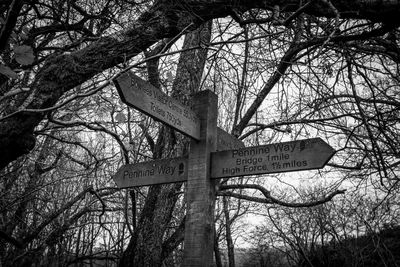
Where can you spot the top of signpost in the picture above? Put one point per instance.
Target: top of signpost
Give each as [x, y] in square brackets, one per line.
[141, 95]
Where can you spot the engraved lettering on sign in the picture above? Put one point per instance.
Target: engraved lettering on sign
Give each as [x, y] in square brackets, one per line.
[152, 172]
[158, 170]
[281, 157]
[140, 94]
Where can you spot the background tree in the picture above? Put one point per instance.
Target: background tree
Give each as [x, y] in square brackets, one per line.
[283, 70]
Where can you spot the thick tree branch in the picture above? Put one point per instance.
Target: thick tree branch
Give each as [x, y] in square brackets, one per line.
[10, 23]
[287, 60]
[174, 240]
[147, 135]
[277, 124]
[284, 64]
[164, 19]
[271, 200]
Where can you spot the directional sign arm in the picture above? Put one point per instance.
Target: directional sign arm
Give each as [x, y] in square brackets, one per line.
[152, 172]
[281, 157]
[141, 95]
[226, 141]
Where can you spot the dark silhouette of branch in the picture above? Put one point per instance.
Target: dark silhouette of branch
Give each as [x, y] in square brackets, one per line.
[270, 199]
[10, 23]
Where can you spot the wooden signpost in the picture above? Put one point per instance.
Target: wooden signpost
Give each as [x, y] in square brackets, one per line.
[213, 154]
[143, 96]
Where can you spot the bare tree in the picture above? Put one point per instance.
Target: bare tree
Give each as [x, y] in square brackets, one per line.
[282, 70]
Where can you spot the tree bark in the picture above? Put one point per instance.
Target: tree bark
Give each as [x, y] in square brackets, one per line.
[10, 22]
[228, 233]
[147, 246]
[217, 252]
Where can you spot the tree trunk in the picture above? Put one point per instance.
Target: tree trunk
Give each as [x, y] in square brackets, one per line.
[228, 233]
[217, 252]
[146, 245]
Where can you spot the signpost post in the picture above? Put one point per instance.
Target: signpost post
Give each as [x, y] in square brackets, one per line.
[199, 226]
[226, 141]
[205, 163]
